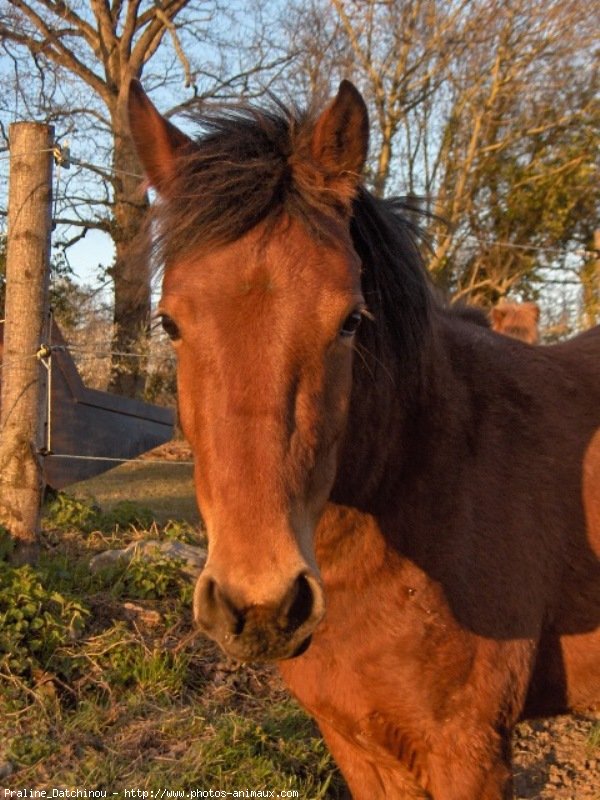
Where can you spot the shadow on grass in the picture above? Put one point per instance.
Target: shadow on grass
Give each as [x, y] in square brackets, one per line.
[167, 489]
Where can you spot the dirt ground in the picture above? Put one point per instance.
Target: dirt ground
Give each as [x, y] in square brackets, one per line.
[558, 758]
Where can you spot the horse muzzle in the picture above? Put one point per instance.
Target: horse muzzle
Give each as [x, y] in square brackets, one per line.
[268, 631]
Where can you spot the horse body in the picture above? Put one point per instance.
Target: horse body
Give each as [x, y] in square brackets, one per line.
[492, 586]
[405, 515]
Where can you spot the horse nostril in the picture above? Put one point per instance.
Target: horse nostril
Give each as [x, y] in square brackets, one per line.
[213, 609]
[237, 622]
[299, 603]
[205, 602]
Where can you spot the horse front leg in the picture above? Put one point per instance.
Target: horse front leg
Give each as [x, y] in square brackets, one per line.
[473, 773]
[470, 755]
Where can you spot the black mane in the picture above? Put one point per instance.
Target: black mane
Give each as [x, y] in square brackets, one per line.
[394, 280]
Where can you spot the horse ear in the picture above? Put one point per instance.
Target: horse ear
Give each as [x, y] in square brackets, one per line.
[535, 310]
[498, 314]
[340, 139]
[157, 141]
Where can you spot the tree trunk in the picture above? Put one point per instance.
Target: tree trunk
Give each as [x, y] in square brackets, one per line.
[131, 269]
[26, 312]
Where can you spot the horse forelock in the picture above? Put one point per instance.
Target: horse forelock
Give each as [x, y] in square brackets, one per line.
[249, 165]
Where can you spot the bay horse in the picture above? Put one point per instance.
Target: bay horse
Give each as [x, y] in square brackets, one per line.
[402, 507]
[519, 320]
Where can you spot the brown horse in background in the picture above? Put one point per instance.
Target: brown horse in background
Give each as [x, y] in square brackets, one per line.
[402, 508]
[519, 320]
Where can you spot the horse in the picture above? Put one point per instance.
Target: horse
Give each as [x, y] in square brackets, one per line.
[519, 320]
[402, 507]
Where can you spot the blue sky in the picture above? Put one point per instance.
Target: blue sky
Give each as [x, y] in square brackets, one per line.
[85, 256]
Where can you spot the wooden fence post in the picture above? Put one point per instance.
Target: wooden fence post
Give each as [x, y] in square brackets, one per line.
[590, 279]
[26, 318]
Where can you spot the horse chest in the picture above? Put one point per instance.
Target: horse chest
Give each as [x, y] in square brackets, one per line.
[372, 672]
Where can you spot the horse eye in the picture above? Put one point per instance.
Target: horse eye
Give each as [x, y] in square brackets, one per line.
[351, 324]
[169, 327]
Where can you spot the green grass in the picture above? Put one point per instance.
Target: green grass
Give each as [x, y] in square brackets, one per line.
[103, 682]
[166, 488]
